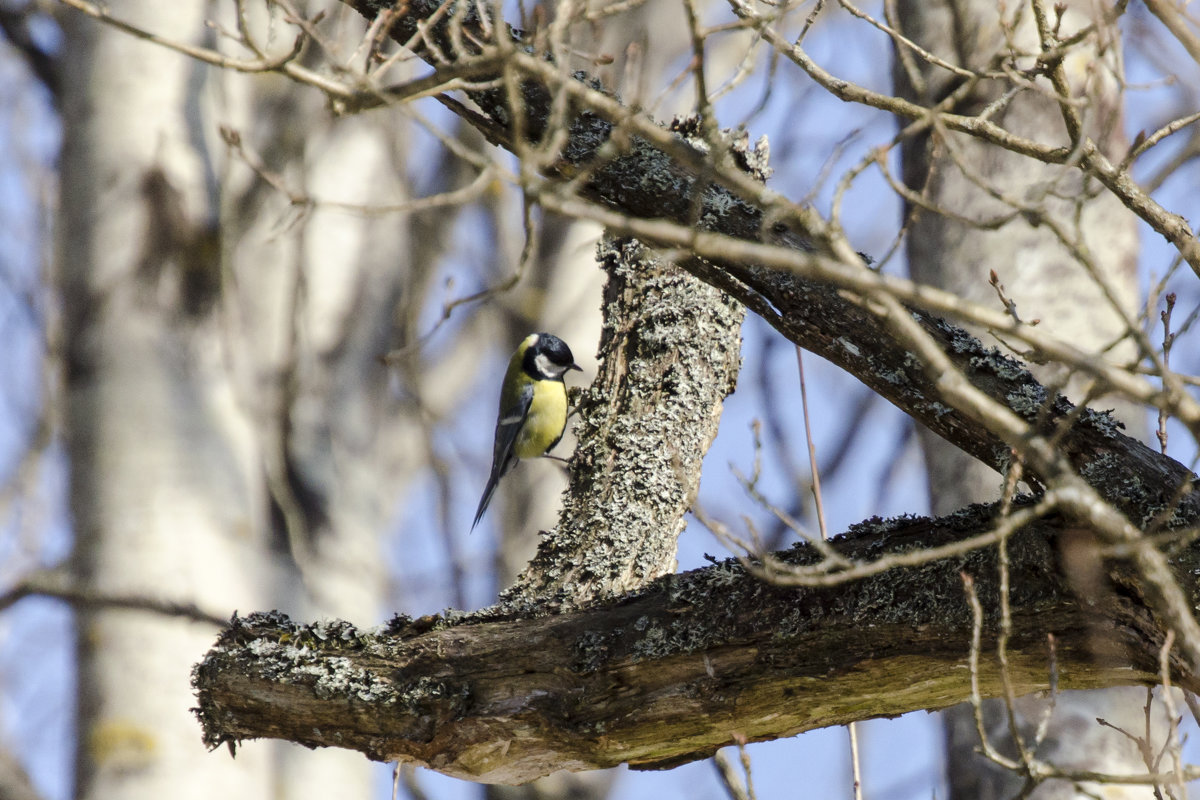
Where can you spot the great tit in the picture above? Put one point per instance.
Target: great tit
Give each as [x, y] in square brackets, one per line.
[533, 407]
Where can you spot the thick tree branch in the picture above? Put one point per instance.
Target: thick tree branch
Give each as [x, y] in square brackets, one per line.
[685, 666]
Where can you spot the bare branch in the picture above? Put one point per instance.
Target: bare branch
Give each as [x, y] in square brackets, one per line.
[59, 584]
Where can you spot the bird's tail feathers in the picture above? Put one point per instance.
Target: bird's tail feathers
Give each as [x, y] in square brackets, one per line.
[493, 481]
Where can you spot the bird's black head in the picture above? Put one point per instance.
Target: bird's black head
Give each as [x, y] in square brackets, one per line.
[548, 357]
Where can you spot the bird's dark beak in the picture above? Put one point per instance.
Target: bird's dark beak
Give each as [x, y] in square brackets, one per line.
[575, 366]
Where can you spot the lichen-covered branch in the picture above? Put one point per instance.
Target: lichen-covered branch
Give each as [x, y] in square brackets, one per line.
[683, 667]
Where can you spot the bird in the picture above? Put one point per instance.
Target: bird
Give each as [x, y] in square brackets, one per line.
[533, 407]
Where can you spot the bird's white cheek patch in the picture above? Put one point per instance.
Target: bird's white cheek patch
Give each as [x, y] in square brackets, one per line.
[547, 367]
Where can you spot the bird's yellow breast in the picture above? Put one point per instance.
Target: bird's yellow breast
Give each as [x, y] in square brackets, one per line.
[545, 422]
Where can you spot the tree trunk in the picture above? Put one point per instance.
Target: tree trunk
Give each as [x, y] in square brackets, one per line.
[163, 465]
[231, 438]
[1047, 282]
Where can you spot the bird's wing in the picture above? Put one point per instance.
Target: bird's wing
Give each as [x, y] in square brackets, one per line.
[508, 426]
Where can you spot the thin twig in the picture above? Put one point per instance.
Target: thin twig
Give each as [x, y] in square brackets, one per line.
[852, 728]
[734, 786]
[1173, 744]
[1167, 340]
[973, 667]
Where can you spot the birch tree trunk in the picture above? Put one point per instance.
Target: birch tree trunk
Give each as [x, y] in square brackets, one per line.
[231, 438]
[1045, 278]
[164, 490]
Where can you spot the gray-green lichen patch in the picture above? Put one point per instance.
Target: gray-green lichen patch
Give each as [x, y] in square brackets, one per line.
[426, 693]
[278, 650]
[1027, 399]
[338, 677]
[1102, 421]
